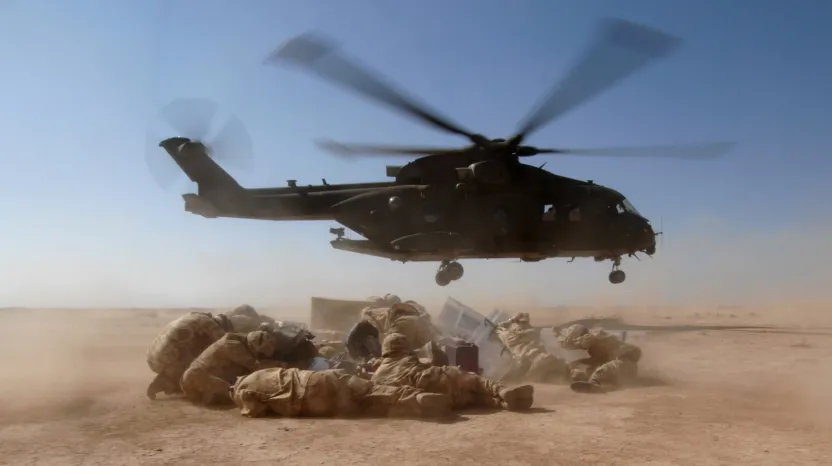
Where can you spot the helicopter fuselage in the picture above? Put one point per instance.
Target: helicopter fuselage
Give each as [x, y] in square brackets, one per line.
[472, 208]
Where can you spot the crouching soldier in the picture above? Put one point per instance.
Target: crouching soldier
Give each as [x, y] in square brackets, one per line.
[329, 393]
[212, 374]
[178, 344]
[399, 366]
[611, 362]
[363, 340]
[533, 362]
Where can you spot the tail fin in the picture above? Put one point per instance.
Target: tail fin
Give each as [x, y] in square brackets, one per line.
[192, 157]
[219, 194]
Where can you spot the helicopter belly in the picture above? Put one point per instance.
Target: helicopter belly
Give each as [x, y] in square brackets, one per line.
[433, 241]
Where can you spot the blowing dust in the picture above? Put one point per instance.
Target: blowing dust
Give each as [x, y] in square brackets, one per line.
[58, 363]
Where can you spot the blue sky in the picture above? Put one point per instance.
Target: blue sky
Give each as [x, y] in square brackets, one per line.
[87, 225]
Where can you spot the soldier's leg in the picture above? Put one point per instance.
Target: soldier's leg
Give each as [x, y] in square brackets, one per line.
[404, 401]
[166, 381]
[487, 393]
[159, 384]
[547, 367]
[205, 389]
[608, 376]
[614, 373]
[516, 373]
[581, 369]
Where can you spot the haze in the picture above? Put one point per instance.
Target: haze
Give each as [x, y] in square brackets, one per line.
[85, 224]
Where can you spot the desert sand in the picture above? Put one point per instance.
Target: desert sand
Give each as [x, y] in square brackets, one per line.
[74, 380]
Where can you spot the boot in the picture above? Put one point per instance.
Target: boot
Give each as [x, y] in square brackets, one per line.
[434, 404]
[517, 398]
[586, 386]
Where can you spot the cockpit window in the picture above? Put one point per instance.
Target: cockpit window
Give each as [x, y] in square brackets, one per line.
[549, 213]
[625, 204]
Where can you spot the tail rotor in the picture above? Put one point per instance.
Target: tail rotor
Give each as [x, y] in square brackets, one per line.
[198, 120]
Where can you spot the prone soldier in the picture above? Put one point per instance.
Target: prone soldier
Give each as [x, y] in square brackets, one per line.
[611, 362]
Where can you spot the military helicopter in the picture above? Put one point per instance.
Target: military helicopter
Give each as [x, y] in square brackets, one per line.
[473, 202]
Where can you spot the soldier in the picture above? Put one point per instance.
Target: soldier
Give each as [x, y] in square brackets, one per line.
[329, 393]
[611, 362]
[178, 344]
[533, 362]
[210, 376]
[399, 366]
[377, 322]
[383, 301]
[245, 319]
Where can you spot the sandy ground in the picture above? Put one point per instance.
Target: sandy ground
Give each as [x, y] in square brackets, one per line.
[73, 394]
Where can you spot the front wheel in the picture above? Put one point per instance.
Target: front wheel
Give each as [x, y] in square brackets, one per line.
[617, 276]
[454, 271]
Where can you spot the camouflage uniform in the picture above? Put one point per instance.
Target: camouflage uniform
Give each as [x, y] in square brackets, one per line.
[399, 366]
[245, 319]
[403, 319]
[212, 374]
[384, 301]
[329, 393]
[534, 362]
[178, 344]
[611, 362]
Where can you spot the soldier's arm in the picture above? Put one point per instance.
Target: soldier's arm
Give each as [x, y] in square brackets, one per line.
[505, 323]
[268, 364]
[240, 355]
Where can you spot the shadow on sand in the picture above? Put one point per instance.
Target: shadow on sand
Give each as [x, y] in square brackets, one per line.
[483, 412]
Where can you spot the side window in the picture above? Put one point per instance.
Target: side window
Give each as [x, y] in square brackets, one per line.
[549, 213]
[575, 214]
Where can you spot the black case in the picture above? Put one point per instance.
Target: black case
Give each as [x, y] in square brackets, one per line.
[463, 354]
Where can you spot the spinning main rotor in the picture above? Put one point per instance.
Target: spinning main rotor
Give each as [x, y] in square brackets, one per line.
[620, 49]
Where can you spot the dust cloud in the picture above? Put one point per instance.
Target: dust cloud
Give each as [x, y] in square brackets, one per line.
[58, 363]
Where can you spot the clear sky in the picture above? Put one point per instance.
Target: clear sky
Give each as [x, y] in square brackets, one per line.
[85, 224]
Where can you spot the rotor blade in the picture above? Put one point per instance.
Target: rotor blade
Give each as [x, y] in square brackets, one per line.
[622, 47]
[233, 145]
[321, 57]
[366, 149]
[702, 151]
[191, 118]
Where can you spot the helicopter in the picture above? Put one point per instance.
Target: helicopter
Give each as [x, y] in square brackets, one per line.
[473, 202]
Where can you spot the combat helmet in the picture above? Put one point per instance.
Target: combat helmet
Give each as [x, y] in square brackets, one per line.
[261, 342]
[391, 299]
[244, 310]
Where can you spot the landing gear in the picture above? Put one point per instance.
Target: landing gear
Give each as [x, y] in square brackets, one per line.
[448, 272]
[617, 276]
